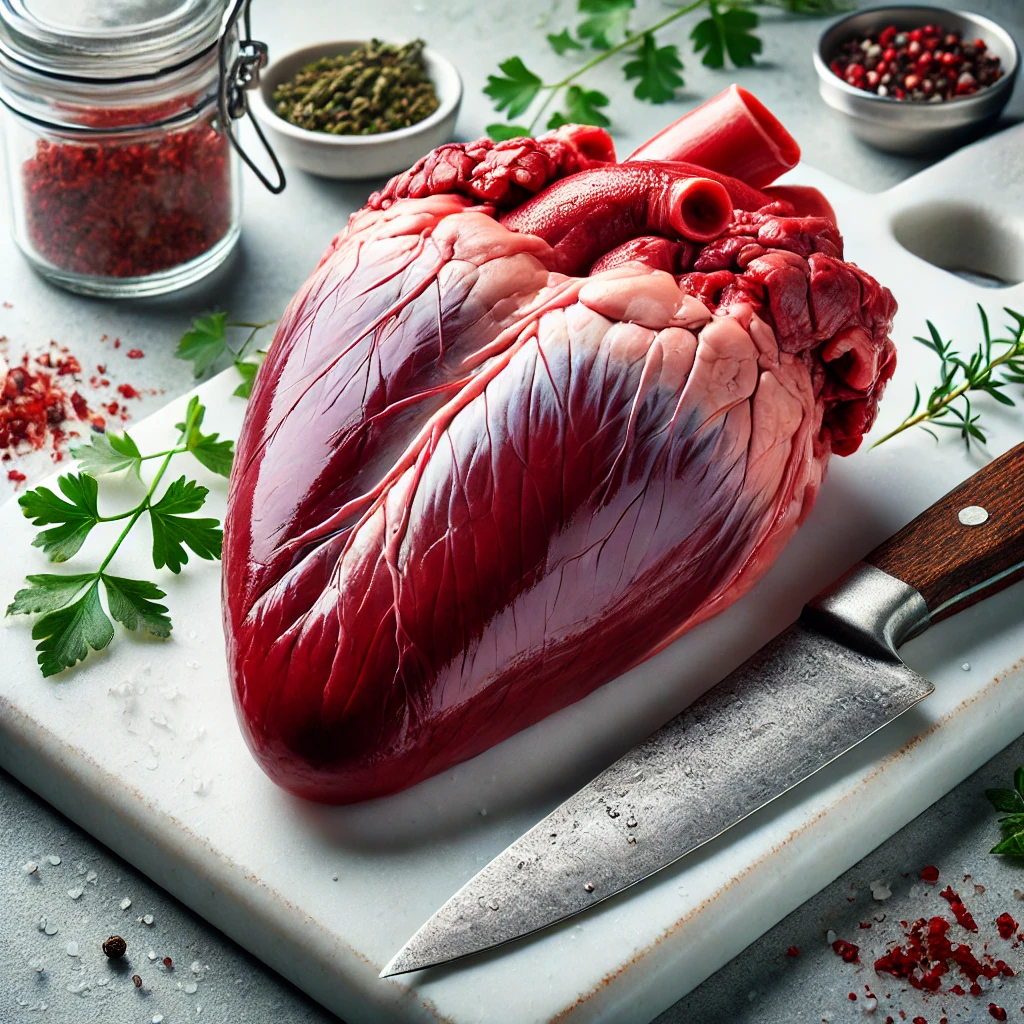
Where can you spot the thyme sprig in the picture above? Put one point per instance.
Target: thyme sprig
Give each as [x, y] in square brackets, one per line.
[995, 364]
[726, 33]
[72, 618]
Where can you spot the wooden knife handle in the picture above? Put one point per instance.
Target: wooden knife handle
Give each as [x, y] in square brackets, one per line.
[969, 545]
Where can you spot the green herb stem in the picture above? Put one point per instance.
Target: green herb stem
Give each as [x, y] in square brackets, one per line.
[631, 40]
[143, 505]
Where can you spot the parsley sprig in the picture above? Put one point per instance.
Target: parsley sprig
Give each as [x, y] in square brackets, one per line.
[205, 345]
[990, 368]
[728, 31]
[1011, 803]
[72, 618]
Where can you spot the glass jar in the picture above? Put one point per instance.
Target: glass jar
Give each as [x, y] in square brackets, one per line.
[122, 177]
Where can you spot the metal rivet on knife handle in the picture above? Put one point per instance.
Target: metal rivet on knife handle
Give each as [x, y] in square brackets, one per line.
[952, 567]
[973, 515]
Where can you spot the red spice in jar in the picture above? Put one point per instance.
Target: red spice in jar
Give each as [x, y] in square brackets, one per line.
[1006, 925]
[125, 206]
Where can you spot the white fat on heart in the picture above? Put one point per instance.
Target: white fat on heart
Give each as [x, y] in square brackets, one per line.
[653, 299]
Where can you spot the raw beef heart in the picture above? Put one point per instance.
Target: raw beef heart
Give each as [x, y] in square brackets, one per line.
[535, 415]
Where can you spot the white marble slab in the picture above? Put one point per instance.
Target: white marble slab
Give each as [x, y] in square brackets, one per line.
[140, 746]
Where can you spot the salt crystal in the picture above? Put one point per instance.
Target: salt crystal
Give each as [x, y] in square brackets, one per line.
[869, 1004]
[125, 903]
[122, 689]
[42, 924]
[191, 988]
[879, 918]
[30, 867]
[169, 692]
[152, 764]
[80, 867]
[197, 785]
[483, 812]
[334, 878]
[147, 918]
[196, 967]
[72, 948]
[76, 892]
[160, 720]
[157, 1018]
[966, 666]
[751, 996]
[51, 929]
[830, 936]
[37, 966]
[151, 955]
[53, 859]
[879, 890]
[91, 877]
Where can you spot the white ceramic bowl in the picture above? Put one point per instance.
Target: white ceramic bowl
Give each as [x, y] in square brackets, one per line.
[355, 156]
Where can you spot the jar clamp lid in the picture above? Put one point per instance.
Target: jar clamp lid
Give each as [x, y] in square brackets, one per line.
[95, 43]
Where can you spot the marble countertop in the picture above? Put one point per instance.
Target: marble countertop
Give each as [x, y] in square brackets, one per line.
[212, 979]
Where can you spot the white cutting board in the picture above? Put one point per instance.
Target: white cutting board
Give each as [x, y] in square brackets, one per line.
[140, 745]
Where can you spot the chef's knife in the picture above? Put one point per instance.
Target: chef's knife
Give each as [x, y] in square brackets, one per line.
[824, 684]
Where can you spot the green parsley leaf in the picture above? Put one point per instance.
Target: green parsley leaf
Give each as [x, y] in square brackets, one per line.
[108, 453]
[215, 455]
[172, 530]
[204, 344]
[502, 132]
[133, 604]
[516, 91]
[657, 68]
[607, 24]
[67, 633]
[728, 31]
[248, 373]
[581, 106]
[1012, 843]
[48, 593]
[75, 517]
[1008, 801]
[563, 42]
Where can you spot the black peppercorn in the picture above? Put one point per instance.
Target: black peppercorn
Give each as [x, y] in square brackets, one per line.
[115, 947]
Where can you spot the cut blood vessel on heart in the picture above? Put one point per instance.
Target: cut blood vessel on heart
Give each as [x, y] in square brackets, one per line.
[535, 414]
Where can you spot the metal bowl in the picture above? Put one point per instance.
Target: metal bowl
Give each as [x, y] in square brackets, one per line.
[915, 128]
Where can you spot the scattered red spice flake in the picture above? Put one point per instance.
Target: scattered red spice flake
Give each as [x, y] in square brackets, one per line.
[15, 477]
[979, 889]
[792, 951]
[69, 365]
[78, 404]
[960, 912]
[113, 408]
[852, 997]
[117, 343]
[926, 956]
[1006, 925]
[136, 353]
[168, 963]
[997, 1012]
[136, 981]
[127, 391]
[865, 924]
[958, 990]
[846, 951]
[930, 874]
[101, 369]
[8, 305]
[919, 1020]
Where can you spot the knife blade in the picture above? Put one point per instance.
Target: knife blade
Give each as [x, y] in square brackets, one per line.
[818, 689]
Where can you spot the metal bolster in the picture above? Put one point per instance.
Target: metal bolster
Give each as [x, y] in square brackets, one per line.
[869, 609]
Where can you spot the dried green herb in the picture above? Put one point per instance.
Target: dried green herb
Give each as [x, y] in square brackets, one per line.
[378, 87]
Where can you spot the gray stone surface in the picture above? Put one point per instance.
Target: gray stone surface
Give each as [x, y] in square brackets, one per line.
[282, 239]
